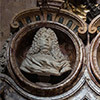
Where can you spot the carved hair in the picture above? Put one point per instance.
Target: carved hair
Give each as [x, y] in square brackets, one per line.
[55, 49]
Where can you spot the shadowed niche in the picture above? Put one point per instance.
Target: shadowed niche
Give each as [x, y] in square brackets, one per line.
[67, 50]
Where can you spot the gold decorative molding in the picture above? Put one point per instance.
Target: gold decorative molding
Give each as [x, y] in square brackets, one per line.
[80, 10]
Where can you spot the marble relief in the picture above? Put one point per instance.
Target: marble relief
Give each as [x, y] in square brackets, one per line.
[44, 56]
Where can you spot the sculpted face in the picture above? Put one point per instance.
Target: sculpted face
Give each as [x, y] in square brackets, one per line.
[45, 41]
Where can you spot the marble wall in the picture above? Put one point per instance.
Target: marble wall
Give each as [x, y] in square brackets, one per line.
[8, 8]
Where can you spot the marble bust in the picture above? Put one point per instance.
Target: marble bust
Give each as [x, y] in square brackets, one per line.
[44, 56]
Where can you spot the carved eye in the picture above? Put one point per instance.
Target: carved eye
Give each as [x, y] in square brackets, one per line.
[47, 39]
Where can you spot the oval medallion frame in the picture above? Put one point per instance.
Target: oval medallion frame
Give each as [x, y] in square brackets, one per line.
[94, 59]
[56, 88]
